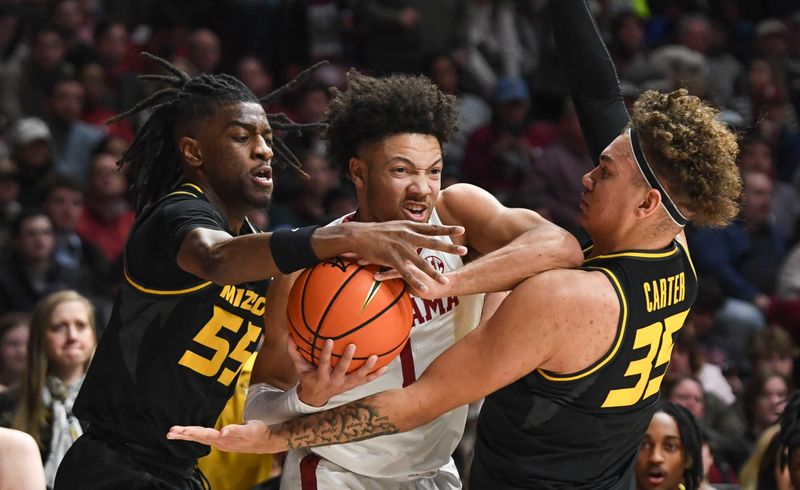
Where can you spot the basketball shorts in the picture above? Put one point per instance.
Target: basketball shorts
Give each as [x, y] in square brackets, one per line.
[94, 464]
[305, 470]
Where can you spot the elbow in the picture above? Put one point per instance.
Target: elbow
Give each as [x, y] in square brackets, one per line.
[211, 260]
[567, 251]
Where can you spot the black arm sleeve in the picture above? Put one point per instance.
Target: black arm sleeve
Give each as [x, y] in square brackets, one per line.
[590, 74]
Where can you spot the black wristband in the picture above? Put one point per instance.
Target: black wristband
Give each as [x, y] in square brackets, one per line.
[291, 249]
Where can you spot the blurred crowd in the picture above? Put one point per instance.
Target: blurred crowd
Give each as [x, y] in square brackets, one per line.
[68, 65]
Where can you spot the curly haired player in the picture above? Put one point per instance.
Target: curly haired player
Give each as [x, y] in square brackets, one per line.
[572, 361]
[191, 307]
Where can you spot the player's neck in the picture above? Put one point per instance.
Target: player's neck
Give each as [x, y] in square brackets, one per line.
[234, 217]
[631, 241]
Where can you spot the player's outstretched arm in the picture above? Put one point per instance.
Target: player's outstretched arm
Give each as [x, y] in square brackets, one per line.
[217, 256]
[511, 244]
[535, 327]
[589, 73]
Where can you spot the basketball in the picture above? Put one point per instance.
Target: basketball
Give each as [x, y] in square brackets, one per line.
[340, 300]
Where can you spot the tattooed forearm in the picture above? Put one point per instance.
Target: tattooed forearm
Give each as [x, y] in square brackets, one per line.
[352, 422]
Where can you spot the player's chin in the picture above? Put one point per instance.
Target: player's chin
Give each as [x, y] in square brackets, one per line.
[259, 199]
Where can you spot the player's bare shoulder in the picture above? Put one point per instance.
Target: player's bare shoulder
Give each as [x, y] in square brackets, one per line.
[580, 304]
[462, 199]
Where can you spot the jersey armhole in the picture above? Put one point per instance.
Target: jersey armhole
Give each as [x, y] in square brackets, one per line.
[622, 323]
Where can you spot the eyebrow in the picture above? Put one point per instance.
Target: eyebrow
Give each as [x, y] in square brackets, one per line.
[403, 159]
[247, 126]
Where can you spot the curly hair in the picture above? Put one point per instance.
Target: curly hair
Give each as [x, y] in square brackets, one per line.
[693, 153]
[371, 109]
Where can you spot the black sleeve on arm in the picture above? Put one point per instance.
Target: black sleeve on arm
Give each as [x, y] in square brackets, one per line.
[590, 74]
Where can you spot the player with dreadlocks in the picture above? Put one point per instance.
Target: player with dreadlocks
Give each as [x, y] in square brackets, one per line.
[191, 306]
[671, 454]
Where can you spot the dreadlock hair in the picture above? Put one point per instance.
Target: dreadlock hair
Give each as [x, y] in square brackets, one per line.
[691, 439]
[790, 429]
[372, 109]
[153, 161]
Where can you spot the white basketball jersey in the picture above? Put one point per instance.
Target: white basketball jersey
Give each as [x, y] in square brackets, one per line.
[438, 324]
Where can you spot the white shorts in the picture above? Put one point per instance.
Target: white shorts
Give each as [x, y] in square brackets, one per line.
[305, 470]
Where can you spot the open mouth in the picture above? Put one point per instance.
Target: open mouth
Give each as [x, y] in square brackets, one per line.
[656, 476]
[415, 212]
[263, 176]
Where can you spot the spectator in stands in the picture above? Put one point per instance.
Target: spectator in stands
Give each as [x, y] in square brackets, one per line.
[10, 206]
[64, 205]
[473, 111]
[763, 401]
[73, 139]
[494, 46]
[773, 350]
[697, 33]
[744, 258]
[250, 70]
[670, 457]
[61, 345]
[68, 17]
[756, 156]
[771, 38]
[12, 47]
[555, 174]
[30, 139]
[107, 217]
[306, 205]
[400, 36]
[713, 337]
[763, 471]
[98, 101]
[688, 359]
[311, 104]
[498, 155]
[627, 47]
[203, 52]
[14, 329]
[112, 47]
[25, 83]
[30, 272]
[720, 420]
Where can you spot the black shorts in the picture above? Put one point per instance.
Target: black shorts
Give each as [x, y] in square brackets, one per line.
[93, 463]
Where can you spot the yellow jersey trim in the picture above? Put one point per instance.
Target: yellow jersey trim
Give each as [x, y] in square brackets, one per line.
[620, 335]
[642, 255]
[185, 193]
[193, 186]
[164, 292]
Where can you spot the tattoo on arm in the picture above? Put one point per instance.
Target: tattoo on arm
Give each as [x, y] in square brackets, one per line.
[352, 422]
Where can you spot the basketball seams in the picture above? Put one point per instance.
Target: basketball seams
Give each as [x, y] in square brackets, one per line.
[309, 297]
[371, 319]
[326, 310]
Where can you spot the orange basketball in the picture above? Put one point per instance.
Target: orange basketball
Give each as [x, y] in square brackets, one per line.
[341, 300]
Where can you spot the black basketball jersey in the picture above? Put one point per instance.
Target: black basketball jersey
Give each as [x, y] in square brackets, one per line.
[583, 430]
[175, 342]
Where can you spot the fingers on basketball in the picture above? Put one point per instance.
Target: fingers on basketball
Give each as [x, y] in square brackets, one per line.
[341, 301]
